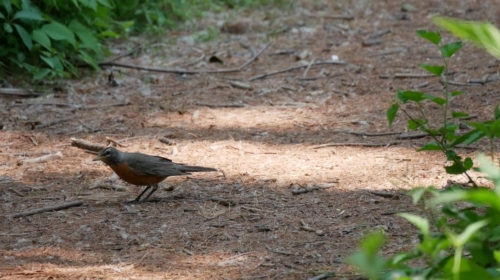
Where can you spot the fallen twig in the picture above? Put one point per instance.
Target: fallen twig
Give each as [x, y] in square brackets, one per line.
[382, 194]
[222, 201]
[300, 190]
[220, 105]
[19, 92]
[345, 17]
[108, 186]
[413, 75]
[322, 276]
[356, 145]
[294, 68]
[44, 158]
[111, 140]
[86, 145]
[184, 71]
[54, 122]
[367, 134]
[279, 251]
[47, 209]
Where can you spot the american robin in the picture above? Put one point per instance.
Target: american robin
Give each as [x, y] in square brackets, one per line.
[144, 170]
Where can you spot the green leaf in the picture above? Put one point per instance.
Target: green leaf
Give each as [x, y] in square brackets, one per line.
[459, 114]
[483, 34]
[92, 4]
[438, 100]
[59, 32]
[449, 49]
[468, 233]
[85, 35]
[432, 37]
[367, 258]
[391, 113]
[41, 38]
[496, 254]
[468, 270]
[7, 27]
[48, 60]
[434, 69]
[419, 222]
[469, 138]
[455, 168]
[455, 93]
[24, 36]
[2, 16]
[413, 95]
[483, 197]
[109, 34]
[497, 113]
[41, 73]
[492, 171]
[432, 146]
[29, 14]
[468, 163]
[414, 124]
[105, 3]
[8, 6]
[417, 194]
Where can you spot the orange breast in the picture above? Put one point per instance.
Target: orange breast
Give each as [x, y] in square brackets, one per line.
[128, 175]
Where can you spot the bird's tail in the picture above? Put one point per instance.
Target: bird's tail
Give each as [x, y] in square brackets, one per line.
[188, 168]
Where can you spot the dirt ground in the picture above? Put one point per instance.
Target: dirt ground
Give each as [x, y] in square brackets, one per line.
[244, 222]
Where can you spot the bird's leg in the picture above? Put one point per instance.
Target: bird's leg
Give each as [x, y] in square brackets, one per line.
[155, 188]
[139, 197]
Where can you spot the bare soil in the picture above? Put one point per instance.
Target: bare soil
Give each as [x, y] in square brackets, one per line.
[243, 222]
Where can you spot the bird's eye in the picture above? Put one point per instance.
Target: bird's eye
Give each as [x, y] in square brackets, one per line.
[108, 152]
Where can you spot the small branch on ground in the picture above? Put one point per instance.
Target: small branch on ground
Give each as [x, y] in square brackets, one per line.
[111, 140]
[86, 145]
[356, 145]
[41, 159]
[300, 190]
[19, 92]
[108, 186]
[276, 251]
[294, 68]
[47, 209]
[54, 122]
[184, 71]
[383, 194]
[220, 105]
[222, 201]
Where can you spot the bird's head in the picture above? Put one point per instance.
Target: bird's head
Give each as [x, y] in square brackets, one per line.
[109, 155]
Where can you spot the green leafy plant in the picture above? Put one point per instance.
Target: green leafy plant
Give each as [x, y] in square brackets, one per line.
[460, 239]
[445, 136]
[464, 245]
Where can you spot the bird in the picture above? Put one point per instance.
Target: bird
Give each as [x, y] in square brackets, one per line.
[144, 170]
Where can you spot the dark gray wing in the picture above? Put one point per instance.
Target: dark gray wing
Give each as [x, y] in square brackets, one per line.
[152, 165]
[159, 166]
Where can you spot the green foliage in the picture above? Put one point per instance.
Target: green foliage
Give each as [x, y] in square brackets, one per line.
[461, 239]
[461, 229]
[49, 38]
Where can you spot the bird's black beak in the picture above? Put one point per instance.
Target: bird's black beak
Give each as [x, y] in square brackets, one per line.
[99, 158]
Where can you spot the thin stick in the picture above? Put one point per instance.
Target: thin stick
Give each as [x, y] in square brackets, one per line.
[86, 145]
[412, 75]
[54, 122]
[293, 68]
[184, 71]
[47, 209]
[354, 144]
[19, 92]
[220, 105]
[308, 67]
[346, 17]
